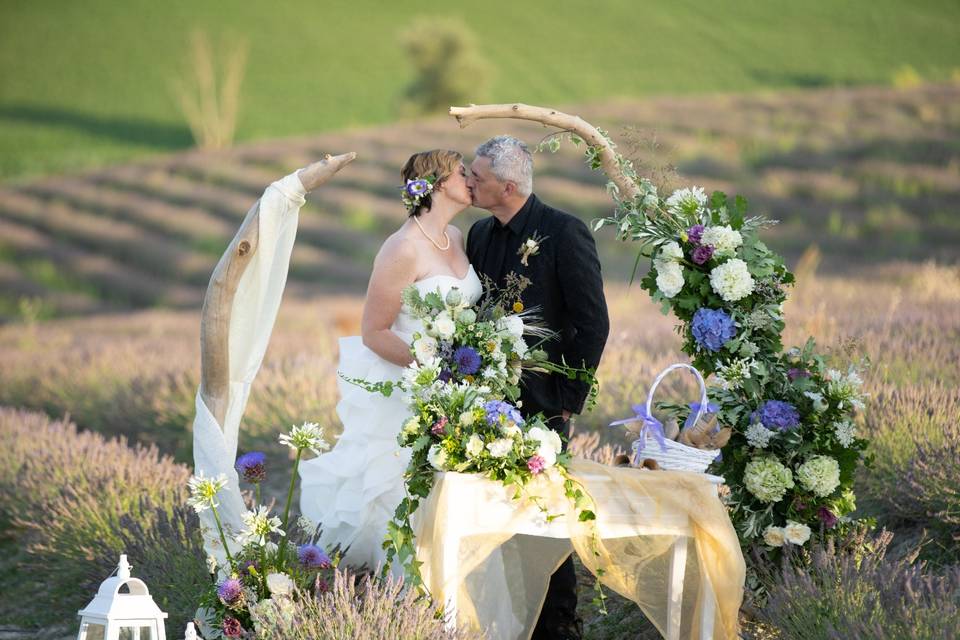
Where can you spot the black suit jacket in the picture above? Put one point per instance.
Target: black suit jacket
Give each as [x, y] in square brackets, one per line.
[567, 290]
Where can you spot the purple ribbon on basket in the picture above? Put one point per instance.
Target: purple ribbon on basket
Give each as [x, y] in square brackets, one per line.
[651, 426]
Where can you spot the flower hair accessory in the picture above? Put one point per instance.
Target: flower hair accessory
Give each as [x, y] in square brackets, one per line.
[415, 190]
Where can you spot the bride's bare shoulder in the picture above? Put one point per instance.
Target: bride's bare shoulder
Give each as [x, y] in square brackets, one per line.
[398, 250]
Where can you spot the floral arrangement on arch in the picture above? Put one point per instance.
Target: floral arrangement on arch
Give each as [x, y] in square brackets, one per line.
[269, 560]
[794, 449]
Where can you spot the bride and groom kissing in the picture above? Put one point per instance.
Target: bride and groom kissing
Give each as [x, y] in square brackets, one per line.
[354, 489]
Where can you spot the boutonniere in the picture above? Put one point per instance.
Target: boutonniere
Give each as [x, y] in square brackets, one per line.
[530, 247]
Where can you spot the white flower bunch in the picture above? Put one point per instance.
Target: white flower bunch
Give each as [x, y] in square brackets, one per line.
[731, 376]
[820, 475]
[437, 457]
[724, 240]
[758, 435]
[690, 200]
[501, 447]
[308, 435]
[845, 431]
[203, 491]
[669, 272]
[732, 280]
[548, 442]
[792, 533]
[845, 389]
[767, 479]
[257, 527]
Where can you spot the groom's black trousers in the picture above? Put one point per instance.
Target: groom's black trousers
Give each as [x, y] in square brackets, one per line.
[558, 618]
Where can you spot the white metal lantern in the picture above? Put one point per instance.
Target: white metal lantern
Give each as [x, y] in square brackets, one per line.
[122, 610]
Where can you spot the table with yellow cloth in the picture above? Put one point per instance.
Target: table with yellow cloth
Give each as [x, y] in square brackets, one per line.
[489, 557]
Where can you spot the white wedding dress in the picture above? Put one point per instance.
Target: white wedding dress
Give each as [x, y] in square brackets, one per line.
[353, 490]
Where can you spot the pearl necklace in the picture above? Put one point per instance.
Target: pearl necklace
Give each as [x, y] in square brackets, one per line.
[427, 236]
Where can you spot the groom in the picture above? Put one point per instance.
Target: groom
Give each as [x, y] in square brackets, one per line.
[567, 291]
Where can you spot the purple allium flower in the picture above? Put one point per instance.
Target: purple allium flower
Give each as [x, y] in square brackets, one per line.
[499, 411]
[313, 557]
[702, 253]
[712, 328]
[827, 517]
[445, 375]
[417, 187]
[230, 591]
[467, 359]
[795, 373]
[536, 464]
[695, 233]
[439, 426]
[232, 627]
[252, 466]
[776, 414]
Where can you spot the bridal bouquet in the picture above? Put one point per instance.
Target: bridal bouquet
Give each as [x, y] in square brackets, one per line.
[794, 449]
[462, 388]
[268, 559]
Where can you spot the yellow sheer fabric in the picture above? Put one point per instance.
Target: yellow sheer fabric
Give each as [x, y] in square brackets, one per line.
[490, 557]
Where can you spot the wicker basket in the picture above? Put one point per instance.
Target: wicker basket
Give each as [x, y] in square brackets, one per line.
[674, 455]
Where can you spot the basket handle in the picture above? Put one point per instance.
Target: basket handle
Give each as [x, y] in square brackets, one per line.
[703, 388]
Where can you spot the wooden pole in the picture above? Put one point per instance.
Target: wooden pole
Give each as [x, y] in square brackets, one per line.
[218, 301]
[554, 118]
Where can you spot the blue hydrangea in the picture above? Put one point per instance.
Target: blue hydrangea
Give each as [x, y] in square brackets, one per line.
[776, 414]
[499, 412]
[712, 328]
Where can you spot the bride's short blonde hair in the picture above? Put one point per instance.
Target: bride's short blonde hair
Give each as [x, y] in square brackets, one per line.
[439, 163]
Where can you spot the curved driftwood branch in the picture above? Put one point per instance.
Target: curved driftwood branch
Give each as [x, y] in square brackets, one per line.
[218, 301]
[560, 120]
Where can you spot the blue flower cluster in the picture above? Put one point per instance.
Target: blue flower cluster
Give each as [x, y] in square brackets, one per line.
[712, 328]
[500, 412]
[776, 414]
[468, 360]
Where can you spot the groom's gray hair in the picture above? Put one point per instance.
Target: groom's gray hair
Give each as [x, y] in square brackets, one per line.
[510, 159]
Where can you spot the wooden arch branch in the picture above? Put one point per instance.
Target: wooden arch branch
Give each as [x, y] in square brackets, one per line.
[554, 118]
[218, 302]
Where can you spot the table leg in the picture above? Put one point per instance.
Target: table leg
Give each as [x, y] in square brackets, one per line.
[678, 564]
[709, 609]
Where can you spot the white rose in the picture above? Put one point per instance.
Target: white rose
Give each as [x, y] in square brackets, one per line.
[444, 325]
[279, 584]
[774, 536]
[731, 280]
[467, 418]
[474, 446]
[548, 453]
[669, 279]
[425, 349]
[796, 533]
[511, 430]
[500, 447]
[512, 324]
[724, 240]
[437, 457]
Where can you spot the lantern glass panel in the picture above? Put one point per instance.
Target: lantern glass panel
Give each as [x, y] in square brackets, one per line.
[92, 631]
[138, 632]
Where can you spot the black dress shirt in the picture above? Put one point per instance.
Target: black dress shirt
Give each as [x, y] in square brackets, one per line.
[566, 292]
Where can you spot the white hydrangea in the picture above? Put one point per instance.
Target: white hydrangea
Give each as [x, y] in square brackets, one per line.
[512, 325]
[501, 447]
[670, 279]
[758, 436]
[767, 479]
[820, 475]
[732, 280]
[474, 446]
[774, 536]
[437, 457]
[669, 252]
[687, 200]
[845, 431]
[425, 349]
[796, 533]
[724, 240]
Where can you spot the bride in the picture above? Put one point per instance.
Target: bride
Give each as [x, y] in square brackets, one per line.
[353, 490]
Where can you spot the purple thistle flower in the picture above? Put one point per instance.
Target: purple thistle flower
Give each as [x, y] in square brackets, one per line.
[230, 591]
[252, 466]
[536, 464]
[467, 360]
[232, 627]
[439, 426]
[712, 328]
[776, 414]
[795, 373]
[313, 557]
[702, 253]
[695, 233]
[827, 517]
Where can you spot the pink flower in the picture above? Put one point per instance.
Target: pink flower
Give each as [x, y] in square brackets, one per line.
[536, 464]
[438, 427]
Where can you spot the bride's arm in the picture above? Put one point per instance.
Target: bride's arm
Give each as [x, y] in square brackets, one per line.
[393, 270]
